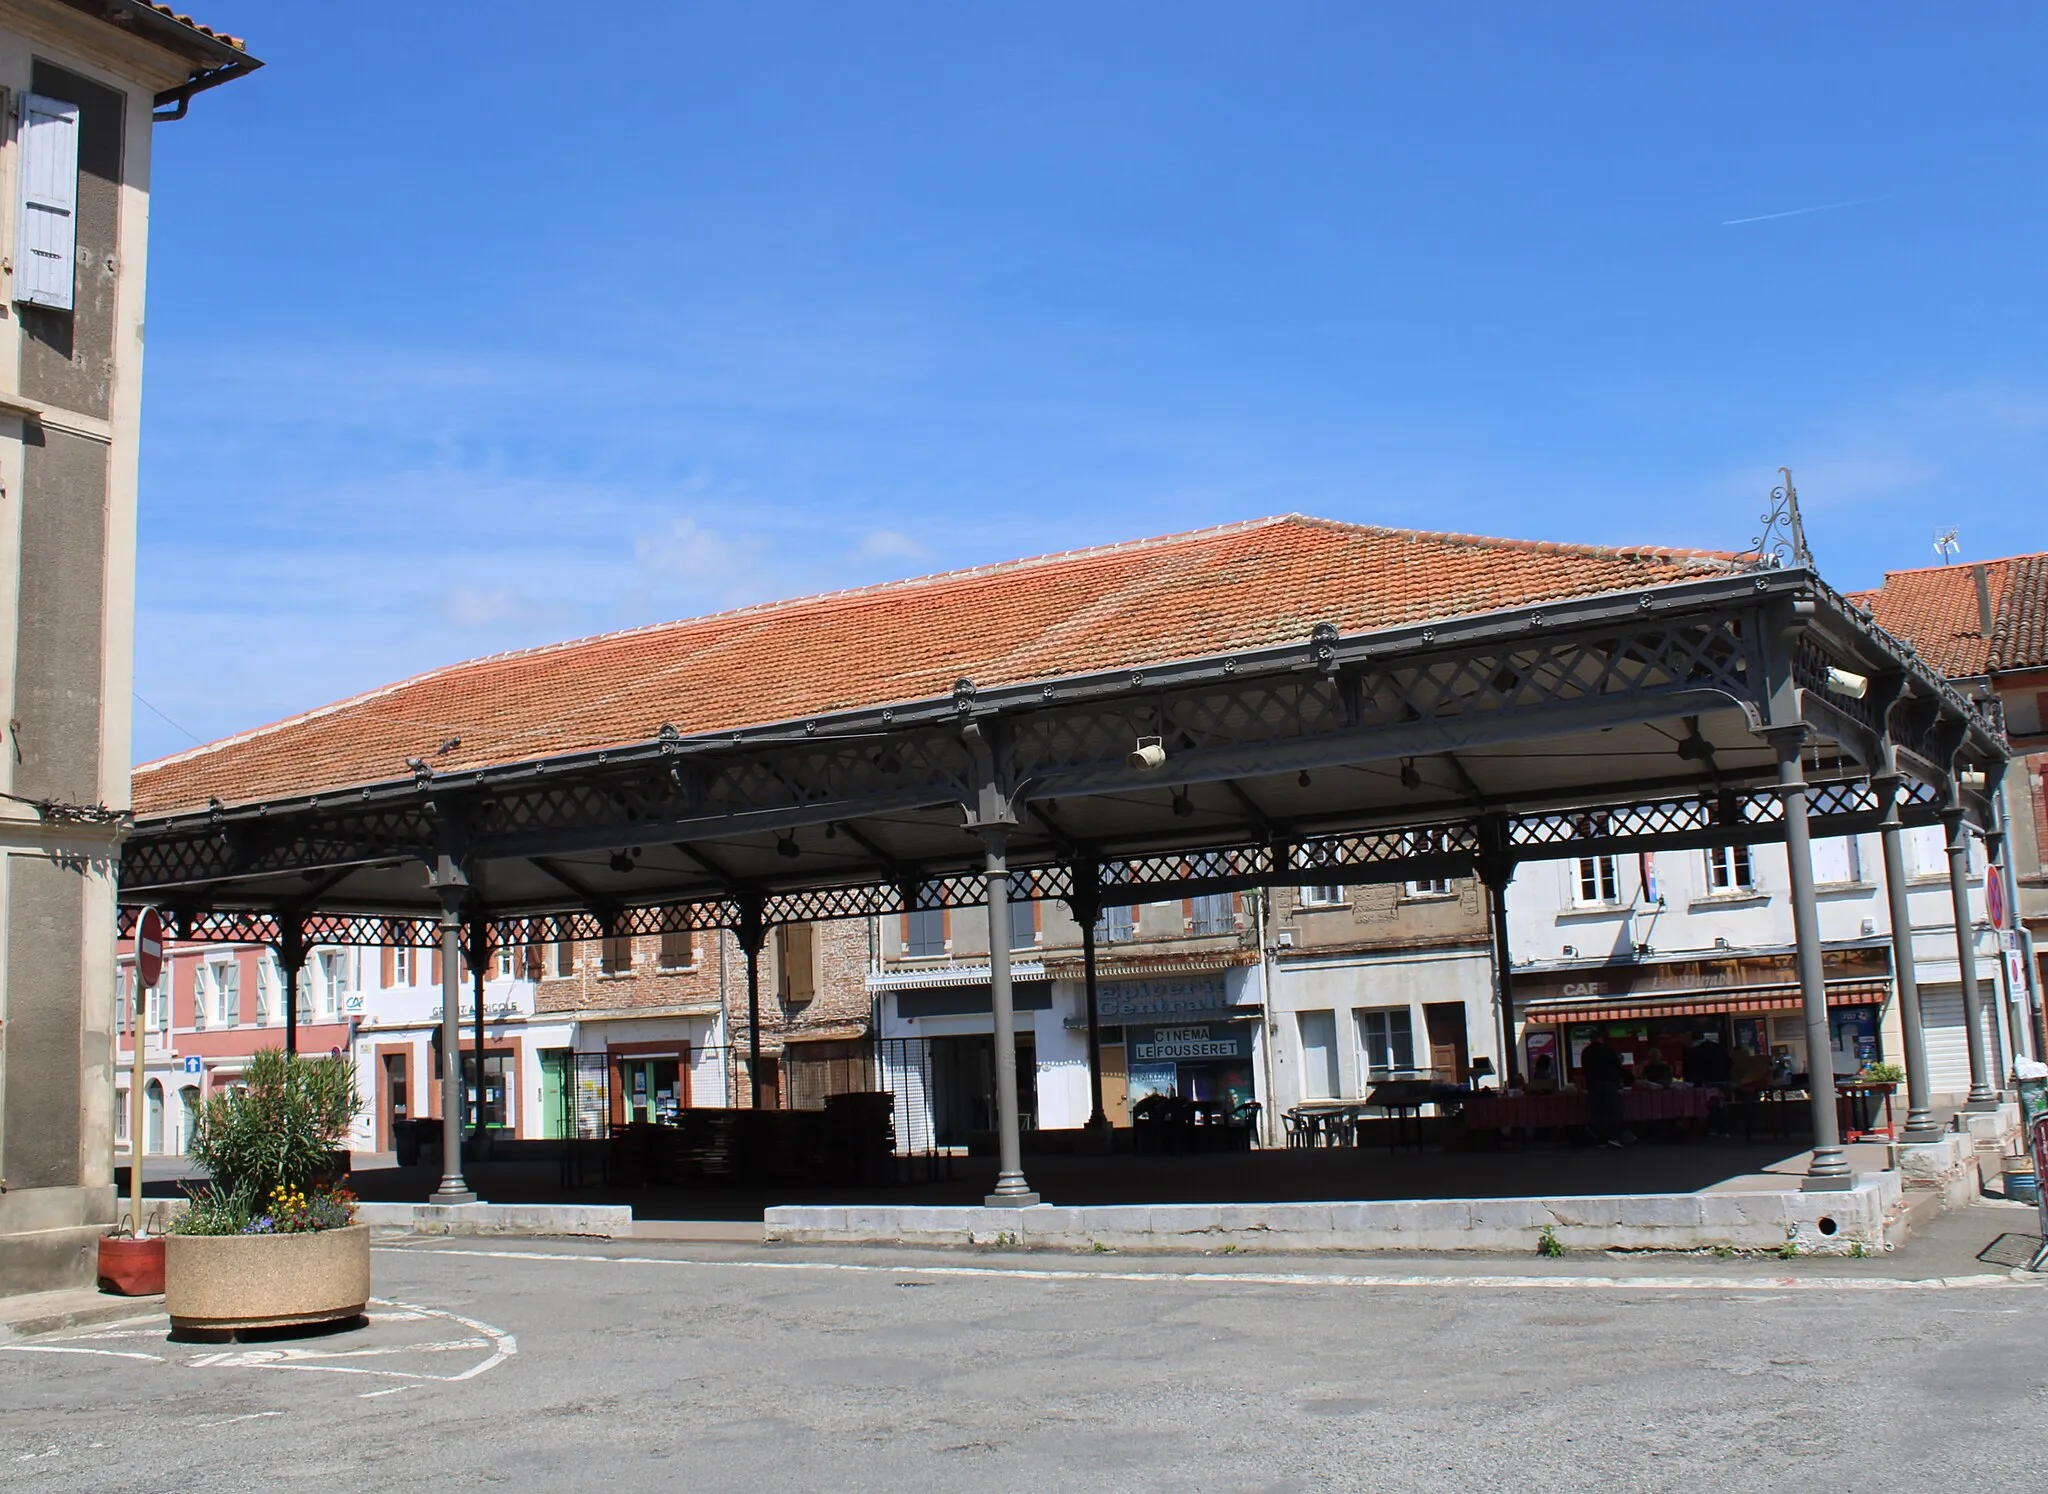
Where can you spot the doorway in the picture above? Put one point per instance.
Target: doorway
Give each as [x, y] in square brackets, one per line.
[651, 1090]
[964, 1086]
[153, 1124]
[1449, 1058]
[396, 1099]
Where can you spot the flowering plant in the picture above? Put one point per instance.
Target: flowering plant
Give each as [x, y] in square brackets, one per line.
[294, 1212]
[269, 1150]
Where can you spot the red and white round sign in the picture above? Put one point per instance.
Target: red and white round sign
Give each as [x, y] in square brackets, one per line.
[149, 947]
[1994, 896]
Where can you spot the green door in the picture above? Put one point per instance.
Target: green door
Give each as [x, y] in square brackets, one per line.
[554, 1093]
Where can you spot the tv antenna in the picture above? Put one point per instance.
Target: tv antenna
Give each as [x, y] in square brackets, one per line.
[1946, 545]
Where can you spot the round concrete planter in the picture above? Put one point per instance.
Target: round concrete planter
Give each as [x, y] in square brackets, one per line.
[225, 1283]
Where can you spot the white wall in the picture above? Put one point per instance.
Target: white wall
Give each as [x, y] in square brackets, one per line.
[1346, 984]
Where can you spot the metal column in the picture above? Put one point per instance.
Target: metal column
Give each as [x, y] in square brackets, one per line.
[479, 968]
[1830, 1167]
[1920, 1124]
[1011, 1189]
[1495, 871]
[1982, 1095]
[752, 934]
[291, 954]
[1087, 907]
[453, 1189]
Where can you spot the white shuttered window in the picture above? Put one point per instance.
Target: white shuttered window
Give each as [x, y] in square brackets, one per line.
[47, 228]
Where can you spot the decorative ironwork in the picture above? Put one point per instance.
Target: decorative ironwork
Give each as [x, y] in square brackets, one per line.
[1783, 541]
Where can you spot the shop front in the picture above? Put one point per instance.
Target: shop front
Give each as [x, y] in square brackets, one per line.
[1192, 1037]
[1652, 1012]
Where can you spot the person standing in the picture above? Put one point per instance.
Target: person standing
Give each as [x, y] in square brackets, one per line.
[1604, 1073]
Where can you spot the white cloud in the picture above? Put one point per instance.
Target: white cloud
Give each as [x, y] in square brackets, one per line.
[690, 553]
[891, 544]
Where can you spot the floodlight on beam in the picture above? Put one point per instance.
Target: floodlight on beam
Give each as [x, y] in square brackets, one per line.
[1972, 779]
[1148, 756]
[1842, 682]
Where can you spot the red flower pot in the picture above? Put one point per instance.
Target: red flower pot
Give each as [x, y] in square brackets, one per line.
[132, 1268]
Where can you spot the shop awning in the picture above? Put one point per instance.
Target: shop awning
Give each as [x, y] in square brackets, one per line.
[1726, 1001]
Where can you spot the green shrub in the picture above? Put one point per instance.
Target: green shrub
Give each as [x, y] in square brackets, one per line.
[268, 1149]
[1884, 1073]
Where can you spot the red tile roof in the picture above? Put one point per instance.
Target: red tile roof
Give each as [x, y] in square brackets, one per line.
[185, 20]
[1936, 610]
[1212, 591]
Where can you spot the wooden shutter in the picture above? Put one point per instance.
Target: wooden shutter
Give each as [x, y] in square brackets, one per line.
[799, 967]
[46, 257]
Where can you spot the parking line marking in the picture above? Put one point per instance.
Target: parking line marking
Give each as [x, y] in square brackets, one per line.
[61, 1349]
[1496, 1282]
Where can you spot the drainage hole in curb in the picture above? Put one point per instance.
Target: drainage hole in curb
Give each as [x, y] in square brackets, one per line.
[1828, 1225]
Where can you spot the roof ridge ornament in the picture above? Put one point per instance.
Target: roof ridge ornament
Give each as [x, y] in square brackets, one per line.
[1783, 541]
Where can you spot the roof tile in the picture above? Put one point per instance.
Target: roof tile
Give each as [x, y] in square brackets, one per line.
[1238, 586]
[1935, 609]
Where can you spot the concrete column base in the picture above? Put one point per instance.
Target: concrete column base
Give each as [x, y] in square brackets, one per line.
[1840, 1182]
[1011, 1201]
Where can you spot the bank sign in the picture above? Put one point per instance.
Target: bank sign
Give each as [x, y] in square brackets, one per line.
[1157, 1000]
[1189, 1042]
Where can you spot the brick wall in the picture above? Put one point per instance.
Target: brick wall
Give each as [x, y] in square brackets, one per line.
[638, 982]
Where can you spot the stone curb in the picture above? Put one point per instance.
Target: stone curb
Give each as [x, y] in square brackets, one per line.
[89, 1310]
[1835, 1223]
[596, 1221]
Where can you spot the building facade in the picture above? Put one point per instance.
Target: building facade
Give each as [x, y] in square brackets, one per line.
[1985, 625]
[1380, 981]
[1649, 950]
[81, 84]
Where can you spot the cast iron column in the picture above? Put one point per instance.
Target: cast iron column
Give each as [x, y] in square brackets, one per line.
[1495, 870]
[291, 953]
[1982, 1095]
[453, 1189]
[752, 933]
[1011, 1189]
[1087, 905]
[1830, 1167]
[1920, 1124]
[479, 955]
[2019, 1023]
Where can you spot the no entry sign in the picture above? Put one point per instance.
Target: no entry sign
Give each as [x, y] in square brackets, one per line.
[149, 948]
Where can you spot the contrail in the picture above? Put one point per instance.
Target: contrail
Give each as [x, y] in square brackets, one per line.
[1824, 207]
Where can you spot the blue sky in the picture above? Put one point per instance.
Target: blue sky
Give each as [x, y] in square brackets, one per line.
[477, 327]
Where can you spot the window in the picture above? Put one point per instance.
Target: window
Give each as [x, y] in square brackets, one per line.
[1728, 869]
[507, 961]
[1386, 1042]
[402, 965]
[121, 1109]
[1023, 925]
[1214, 914]
[1117, 925]
[202, 998]
[565, 958]
[1837, 861]
[335, 976]
[267, 985]
[47, 228]
[678, 949]
[158, 1017]
[615, 954]
[1318, 1054]
[1427, 843]
[1322, 897]
[227, 993]
[796, 966]
[124, 986]
[1926, 851]
[1596, 880]
[924, 933]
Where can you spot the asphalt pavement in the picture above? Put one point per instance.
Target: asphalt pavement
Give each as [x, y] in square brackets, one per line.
[576, 1365]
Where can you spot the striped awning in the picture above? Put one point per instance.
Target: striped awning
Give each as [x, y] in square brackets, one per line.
[1727, 1001]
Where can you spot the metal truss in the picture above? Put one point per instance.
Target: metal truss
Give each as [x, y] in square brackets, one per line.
[1448, 849]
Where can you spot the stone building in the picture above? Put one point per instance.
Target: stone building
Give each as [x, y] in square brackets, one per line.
[83, 82]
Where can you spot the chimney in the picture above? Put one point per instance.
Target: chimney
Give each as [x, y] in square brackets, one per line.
[1982, 576]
